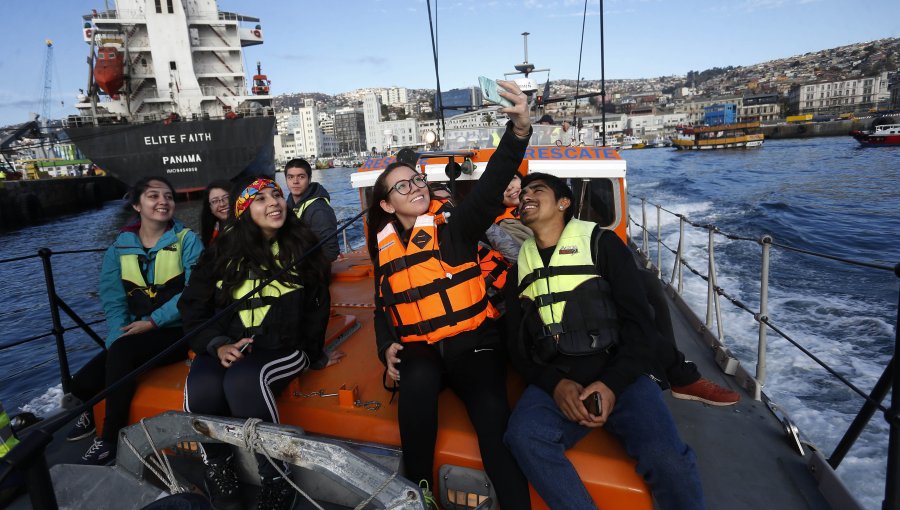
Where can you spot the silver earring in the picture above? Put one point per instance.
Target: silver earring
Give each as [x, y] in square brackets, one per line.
[560, 208]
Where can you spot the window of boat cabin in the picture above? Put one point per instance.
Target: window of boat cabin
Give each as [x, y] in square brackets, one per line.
[159, 6]
[169, 5]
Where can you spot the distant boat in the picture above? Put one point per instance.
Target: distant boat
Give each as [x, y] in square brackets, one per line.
[883, 135]
[659, 141]
[632, 142]
[741, 135]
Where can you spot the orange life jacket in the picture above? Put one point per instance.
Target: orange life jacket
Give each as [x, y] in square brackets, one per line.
[494, 265]
[508, 214]
[494, 268]
[427, 299]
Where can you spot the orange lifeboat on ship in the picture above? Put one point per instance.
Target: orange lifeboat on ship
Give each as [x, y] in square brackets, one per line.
[260, 82]
[109, 70]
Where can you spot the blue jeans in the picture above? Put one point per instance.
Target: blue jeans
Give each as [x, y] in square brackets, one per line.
[539, 433]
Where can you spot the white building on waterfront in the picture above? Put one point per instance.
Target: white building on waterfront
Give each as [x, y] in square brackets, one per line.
[840, 96]
[396, 134]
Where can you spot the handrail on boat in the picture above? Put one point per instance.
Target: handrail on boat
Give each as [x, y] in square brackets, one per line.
[28, 455]
[889, 379]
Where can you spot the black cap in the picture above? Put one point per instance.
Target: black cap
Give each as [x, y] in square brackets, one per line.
[546, 119]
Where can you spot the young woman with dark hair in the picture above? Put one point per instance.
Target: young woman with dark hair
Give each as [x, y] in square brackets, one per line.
[431, 308]
[143, 274]
[215, 212]
[272, 337]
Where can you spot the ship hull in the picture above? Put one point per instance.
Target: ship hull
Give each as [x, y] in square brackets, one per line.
[870, 140]
[191, 154]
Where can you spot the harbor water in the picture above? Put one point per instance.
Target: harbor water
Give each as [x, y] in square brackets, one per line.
[823, 194]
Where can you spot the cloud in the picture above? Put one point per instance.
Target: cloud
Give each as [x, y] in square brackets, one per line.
[296, 57]
[371, 60]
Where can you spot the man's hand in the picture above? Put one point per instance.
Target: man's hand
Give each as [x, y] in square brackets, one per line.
[607, 402]
[567, 395]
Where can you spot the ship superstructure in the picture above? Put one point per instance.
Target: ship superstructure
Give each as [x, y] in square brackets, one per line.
[173, 72]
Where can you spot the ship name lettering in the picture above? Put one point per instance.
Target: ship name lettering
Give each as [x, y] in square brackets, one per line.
[160, 140]
[182, 158]
[195, 137]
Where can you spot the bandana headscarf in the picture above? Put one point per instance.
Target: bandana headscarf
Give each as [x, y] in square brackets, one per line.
[249, 194]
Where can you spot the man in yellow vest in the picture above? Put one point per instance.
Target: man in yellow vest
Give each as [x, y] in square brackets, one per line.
[312, 204]
[581, 333]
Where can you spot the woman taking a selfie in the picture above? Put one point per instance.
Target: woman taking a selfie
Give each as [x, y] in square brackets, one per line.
[431, 307]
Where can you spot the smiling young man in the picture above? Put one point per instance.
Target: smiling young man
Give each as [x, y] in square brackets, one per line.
[312, 204]
[587, 329]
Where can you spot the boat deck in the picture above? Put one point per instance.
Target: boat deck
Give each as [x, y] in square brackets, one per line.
[744, 456]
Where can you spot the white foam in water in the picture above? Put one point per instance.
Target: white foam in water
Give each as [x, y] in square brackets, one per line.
[818, 403]
[46, 404]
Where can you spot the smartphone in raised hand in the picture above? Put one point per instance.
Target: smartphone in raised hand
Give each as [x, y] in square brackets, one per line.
[490, 91]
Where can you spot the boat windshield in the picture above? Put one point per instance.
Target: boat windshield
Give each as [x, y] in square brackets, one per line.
[488, 137]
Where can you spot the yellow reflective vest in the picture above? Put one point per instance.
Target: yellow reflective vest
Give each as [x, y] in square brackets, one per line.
[573, 302]
[7, 438]
[168, 278]
[254, 311]
[300, 209]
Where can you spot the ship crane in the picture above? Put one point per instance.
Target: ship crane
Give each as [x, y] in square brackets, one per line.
[47, 92]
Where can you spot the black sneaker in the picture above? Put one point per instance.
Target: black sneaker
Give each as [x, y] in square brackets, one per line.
[276, 494]
[84, 427]
[100, 453]
[222, 485]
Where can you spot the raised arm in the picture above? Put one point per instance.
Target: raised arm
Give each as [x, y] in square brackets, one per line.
[485, 201]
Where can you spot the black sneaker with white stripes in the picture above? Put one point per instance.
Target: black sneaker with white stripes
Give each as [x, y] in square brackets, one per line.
[84, 427]
[100, 453]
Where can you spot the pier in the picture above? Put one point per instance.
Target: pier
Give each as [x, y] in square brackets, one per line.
[27, 202]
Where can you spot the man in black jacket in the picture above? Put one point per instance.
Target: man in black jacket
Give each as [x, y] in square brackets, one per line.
[312, 204]
[594, 365]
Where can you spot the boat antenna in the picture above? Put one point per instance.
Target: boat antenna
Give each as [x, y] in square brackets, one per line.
[432, 26]
[602, 81]
[578, 80]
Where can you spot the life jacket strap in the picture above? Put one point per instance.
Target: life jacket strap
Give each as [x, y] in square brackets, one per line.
[401, 263]
[440, 285]
[553, 297]
[547, 272]
[449, 319]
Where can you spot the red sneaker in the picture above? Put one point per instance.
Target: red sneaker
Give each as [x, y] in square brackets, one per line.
[707, 392]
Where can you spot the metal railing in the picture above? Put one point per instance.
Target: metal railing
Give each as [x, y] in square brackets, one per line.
[57, 305]
[28, 455]
[873, 401]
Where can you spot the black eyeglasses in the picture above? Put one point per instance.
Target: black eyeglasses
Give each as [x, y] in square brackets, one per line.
[405, 186]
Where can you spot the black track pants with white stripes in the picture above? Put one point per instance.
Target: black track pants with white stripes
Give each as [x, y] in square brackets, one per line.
[247, 389]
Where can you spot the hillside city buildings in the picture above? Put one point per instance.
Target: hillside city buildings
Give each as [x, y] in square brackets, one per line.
[838, 82]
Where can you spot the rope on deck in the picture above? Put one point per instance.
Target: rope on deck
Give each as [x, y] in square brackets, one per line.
[158, 464]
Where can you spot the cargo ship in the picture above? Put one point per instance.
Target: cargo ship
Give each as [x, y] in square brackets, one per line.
[167, 94]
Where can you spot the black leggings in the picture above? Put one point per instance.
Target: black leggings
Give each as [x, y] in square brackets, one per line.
[478, 377]
[247, 389]
[123, 356]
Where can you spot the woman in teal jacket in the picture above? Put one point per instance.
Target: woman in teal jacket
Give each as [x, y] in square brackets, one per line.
[143, 274]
